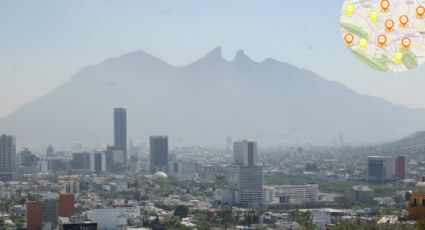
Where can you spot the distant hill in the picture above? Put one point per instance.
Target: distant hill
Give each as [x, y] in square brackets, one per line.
[206, 101]
[409, 145]
[417, 139]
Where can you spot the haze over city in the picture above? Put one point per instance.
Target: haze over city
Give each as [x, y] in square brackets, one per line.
[44, 43]
[241, 115]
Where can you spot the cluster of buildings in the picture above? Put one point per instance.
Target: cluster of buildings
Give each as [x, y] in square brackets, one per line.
[44, 213]
[113, 188]
[383, 168]
[114, 159]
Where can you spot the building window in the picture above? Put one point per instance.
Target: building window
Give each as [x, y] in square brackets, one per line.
[423, 202]
[414, 202]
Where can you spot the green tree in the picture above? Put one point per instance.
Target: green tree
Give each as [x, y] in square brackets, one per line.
[4, 225]
[181, 211]
[226, 215]
[303, 218]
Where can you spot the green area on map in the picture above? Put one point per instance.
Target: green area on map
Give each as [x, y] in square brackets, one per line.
[380, 64]
[357, 30]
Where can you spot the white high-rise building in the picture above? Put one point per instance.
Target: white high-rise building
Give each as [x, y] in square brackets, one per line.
[7, 157]
[245, 153]
[245, 176]
[98, 161]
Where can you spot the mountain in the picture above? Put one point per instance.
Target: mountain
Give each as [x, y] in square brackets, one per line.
[206, 101]
[410, 145]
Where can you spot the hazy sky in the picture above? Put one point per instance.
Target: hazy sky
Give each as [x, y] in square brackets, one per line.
[43, 43]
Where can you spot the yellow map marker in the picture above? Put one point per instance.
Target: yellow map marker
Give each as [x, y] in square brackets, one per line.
[349, 9]
[398, 56]
[374, 14]
[363, 43]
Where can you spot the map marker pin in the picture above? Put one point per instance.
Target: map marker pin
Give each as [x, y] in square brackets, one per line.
[382, 40]
[349, 38]
[363, 42]
[349, 9]
[374, 14]
[403, 20]
[420, 10]
[406, 42]
[398, 56]
[389, 24]
[385, 5]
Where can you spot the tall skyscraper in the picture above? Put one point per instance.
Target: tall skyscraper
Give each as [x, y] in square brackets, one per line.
[158, 154]
[245, 153]
[80, 161]
[27, 158]
[120, 131]
[246, 176]
[98, 161]
[7, 157]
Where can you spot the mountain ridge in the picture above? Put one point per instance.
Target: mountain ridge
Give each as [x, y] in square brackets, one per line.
[270, 101]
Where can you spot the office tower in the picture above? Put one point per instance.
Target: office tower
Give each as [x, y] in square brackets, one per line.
[27, 158]
[80, 161]
[56, 164]
[98, 161]
[245, 176]
[380, 168]
[182, 170]
[34, 215]
[7, 157]
[109, 158]
[120, 131]
[401, 168]
[50, 210]
[66, 205]
[158, 154]
[245, 153]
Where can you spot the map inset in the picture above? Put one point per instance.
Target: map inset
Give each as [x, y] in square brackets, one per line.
[387, 35]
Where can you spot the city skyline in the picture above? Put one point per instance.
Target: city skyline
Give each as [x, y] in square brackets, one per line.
[212, 115]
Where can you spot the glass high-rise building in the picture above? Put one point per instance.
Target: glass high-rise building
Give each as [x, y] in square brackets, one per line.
[246, 176]
[120, 131]
[158, 154]
[7, 157]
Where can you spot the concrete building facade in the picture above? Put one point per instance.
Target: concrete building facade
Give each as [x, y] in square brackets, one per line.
[7, 157]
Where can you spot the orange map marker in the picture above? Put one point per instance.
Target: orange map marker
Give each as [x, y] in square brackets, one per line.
[420, 10]
[382, 40]
[389, 24]
[406, 42]
[403, 20]
[349, 38]
[385, 5]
